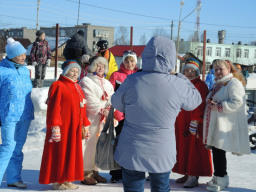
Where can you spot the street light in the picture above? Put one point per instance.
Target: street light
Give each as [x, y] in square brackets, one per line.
[180, 20]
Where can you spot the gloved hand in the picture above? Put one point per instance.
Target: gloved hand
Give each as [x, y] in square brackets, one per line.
[34, 63]
[85, 133]
[48, 63]
[193, 127]
[56, 136]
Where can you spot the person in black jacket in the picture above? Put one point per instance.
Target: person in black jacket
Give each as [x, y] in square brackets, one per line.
[76, 47]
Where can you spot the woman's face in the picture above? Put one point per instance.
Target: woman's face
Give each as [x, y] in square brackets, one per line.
[100, 69]
[42, 37]
[129, 64]
[20, 59]
[73, 73]
[221, 71]
[190, 73]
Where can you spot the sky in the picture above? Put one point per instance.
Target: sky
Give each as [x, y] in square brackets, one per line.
[236, 17]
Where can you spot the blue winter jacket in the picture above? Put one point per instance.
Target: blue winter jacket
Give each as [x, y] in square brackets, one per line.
[15, 93]
[151, 101]
[210, 79]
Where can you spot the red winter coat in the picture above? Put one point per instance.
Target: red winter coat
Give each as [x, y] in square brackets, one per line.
[63, 161]
[120, 75]
[192, 156]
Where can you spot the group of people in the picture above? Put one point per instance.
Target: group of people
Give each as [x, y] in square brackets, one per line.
[167, 121]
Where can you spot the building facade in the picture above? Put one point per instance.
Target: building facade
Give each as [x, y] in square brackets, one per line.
[22, 33]
[92, 33]
[237, 53]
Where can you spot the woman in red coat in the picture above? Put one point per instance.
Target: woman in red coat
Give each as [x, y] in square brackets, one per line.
[193, 159]
[62, 161]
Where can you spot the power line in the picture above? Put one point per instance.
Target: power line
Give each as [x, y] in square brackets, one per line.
[120, 11]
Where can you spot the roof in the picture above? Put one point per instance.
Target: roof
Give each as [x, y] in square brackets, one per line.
[118, 50]
[3, 42]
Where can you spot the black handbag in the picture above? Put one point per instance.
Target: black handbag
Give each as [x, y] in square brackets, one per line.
[105, 148]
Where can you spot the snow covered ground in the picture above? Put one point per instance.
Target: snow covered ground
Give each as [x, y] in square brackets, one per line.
[241, 169]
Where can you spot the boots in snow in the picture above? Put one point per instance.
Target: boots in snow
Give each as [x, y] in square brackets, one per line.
[191, 182]
[89, 178]
[99, 178]
[71, 185]
[182, 179]
[212, 181]
[59, 186]
[220, 184]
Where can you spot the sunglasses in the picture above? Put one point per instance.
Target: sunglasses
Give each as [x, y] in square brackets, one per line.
[129, 52]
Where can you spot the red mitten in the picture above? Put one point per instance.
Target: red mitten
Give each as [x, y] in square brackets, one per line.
[56, 136]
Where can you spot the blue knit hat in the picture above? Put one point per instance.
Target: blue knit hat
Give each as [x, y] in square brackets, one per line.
[69, 64]
[14, 48]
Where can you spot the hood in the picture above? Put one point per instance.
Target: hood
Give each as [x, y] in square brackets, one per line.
[159, 55]
[77, 38]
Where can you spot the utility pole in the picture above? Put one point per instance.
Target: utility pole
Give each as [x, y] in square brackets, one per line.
[131, 37]
[78, 13]
[38, 2]
[171, 29]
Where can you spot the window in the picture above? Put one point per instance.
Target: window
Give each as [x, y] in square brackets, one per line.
[200, 51]
[101, 33]
[218, 52]
[238, 53]
[62, 33]
[246, 53]
[208, 51]
[227, 52]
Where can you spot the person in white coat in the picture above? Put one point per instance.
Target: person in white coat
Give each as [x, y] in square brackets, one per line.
[98, 92]
[225, 121]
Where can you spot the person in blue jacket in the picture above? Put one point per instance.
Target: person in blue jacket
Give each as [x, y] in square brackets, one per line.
[210, 78]
[151, 100]
[16, 112]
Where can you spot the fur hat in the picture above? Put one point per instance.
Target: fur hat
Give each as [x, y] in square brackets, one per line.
[191, 63]
[96, 60]
[69, 64]
[39, 33]
[130, 53]
[14, 48]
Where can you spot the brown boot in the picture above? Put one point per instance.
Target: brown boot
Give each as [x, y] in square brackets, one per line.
[99, 178]
[182, 179]
[89, 178]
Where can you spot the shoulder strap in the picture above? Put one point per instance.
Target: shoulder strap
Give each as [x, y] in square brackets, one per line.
[109, 121]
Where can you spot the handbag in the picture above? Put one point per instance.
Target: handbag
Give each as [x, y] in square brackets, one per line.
[105, 148]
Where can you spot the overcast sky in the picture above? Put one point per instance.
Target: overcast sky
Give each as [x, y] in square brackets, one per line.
[235, 16]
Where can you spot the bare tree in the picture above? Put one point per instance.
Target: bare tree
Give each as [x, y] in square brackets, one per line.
[253, 43]
[143, 39]
[160, 32]
[122, 36]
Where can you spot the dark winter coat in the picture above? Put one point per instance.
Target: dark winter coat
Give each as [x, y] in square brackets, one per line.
[76, 47]
[40, 52]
